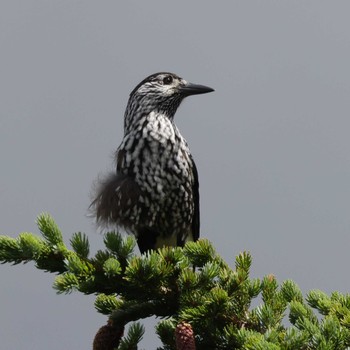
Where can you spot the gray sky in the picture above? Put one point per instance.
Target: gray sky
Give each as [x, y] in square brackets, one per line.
[271, 144]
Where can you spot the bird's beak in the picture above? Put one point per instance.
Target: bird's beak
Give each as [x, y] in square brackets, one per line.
[194, 89]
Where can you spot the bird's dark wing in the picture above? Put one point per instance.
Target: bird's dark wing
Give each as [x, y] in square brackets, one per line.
[196, 219]
[120, 159]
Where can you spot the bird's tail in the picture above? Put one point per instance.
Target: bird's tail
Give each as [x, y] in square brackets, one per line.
[114, 196]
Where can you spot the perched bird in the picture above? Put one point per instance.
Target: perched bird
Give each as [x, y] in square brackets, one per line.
[154, 192]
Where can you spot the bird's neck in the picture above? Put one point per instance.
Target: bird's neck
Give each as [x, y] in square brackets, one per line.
[153, 120]
[138, 112]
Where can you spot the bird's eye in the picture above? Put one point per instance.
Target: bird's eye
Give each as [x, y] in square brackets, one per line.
[167, 80]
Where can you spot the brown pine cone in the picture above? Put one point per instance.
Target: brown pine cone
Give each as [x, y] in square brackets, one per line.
[184, 337]
[108, 337]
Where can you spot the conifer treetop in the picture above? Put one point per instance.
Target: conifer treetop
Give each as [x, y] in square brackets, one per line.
[192, 290]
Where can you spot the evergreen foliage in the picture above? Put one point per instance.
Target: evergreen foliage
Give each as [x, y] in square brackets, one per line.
[192, 286]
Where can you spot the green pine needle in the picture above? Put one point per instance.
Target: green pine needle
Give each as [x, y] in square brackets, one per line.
[112, 267]
[66, 283]
[106, 304]
[49, 228]
[134, 336]
[80, 244]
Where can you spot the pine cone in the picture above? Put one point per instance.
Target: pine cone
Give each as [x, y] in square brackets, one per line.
[184, 337]
[108, 337]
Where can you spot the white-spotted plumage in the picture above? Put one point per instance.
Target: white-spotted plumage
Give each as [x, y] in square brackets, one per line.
[154, 192]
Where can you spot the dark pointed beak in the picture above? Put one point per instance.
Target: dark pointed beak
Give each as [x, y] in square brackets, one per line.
[194, 89]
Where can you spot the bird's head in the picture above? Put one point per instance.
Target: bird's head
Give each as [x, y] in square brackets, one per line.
[163, 92]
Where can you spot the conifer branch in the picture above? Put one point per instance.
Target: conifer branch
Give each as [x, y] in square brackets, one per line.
[201, 300]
